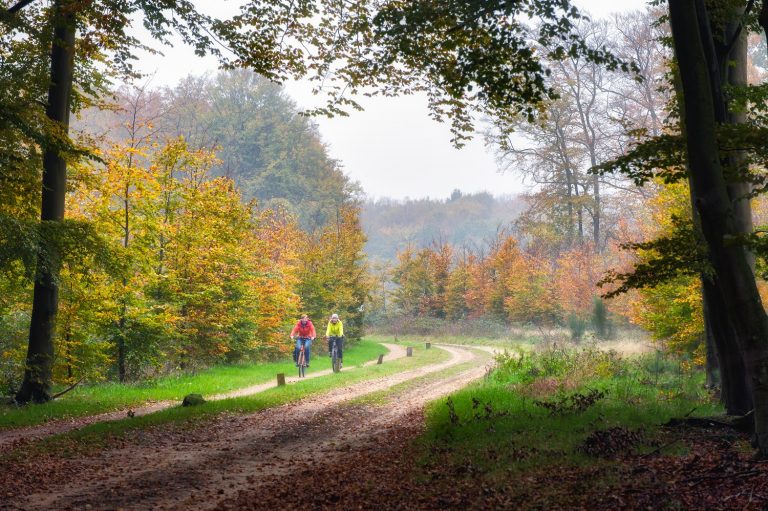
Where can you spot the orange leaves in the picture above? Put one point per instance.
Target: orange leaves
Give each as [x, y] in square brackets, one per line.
[578, 271]
[671, 311]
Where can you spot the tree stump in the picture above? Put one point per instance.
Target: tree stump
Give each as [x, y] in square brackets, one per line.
[192, 400]
[408, 351]
[280, 379]
[428, 345]
[381, 359]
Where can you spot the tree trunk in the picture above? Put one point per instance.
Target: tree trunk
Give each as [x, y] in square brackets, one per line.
[39, 363]
[734, 69]
[730, 262]
[121, 347]
[596, 216]
[736, 392]
[727, 65]
[711, 364]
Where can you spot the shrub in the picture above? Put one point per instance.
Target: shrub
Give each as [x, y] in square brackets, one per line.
[577, 326]
[600, 323]
[563, 363]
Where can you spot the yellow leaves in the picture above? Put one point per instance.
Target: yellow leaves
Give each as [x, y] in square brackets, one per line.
[671, 311]
[208, 275]
[333, 273]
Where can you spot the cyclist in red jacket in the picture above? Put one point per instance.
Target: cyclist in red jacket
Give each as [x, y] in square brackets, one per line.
[304, 333]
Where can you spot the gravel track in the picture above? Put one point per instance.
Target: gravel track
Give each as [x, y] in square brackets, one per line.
[205, 467]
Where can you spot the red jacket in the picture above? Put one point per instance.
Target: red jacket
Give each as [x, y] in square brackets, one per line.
[304, 331]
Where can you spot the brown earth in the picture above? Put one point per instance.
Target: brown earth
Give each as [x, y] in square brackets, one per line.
[331, 452]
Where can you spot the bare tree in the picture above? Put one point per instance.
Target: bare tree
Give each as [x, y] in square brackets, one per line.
[586, 126]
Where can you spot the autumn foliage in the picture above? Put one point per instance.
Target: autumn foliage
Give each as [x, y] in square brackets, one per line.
[193, 274]
[501, 281]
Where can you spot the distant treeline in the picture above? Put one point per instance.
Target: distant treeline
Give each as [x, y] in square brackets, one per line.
[461, 220]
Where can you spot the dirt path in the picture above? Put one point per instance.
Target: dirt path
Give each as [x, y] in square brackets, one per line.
[56, 427]
[209, 466]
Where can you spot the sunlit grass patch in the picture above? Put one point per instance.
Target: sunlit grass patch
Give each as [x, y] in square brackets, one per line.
[500, 343]
[386, 396]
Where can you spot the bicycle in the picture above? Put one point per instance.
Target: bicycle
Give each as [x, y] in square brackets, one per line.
[335, 360]
[301, 360]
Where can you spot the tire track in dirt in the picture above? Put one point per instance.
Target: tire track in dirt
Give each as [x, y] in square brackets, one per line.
[204, 467]
[56, 427]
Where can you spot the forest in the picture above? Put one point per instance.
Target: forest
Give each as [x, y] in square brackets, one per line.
[604, 330]
[176, 252]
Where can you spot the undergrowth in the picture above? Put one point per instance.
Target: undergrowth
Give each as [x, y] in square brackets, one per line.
[561, 406]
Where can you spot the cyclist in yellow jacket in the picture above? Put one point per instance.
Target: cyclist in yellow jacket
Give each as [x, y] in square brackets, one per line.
[335, 332]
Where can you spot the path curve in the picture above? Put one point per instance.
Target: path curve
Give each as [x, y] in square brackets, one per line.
[205, 467]
[56, 427]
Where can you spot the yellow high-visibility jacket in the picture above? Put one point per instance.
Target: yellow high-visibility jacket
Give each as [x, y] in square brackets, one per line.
[336, 330]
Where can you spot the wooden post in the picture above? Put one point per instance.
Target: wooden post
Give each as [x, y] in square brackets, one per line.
[429, 345]
[381, 359]
[409, 351]
[280, 379]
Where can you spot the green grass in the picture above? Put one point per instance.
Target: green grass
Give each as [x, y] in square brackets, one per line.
[497, 427]
[105, 434]
[100, 398]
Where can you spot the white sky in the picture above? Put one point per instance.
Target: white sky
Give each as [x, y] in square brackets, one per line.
[392, 148]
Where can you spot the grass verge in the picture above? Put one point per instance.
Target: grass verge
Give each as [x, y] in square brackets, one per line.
[381, 398]
[107, 397]
[501, 344]
[560, 407]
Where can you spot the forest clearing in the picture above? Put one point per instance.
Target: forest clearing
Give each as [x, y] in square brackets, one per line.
[424, 254]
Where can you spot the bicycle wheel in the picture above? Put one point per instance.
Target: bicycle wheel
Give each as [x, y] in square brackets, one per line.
[335, 360]
[301, 364]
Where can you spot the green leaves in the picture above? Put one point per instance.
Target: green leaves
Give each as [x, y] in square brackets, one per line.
[470, 58]
[72, 243]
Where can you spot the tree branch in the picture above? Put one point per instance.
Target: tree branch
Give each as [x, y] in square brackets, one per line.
[19, 6]
[67, 389]
[737, 33]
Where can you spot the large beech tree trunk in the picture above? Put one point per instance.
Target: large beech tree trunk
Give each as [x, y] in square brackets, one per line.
[732, 65]
[730, 261]
[735, 389]
[726, 59]
[720, 335]
[39, 363]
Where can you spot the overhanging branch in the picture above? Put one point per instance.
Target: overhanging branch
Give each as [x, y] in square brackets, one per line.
[19, 6]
